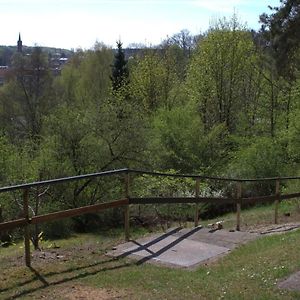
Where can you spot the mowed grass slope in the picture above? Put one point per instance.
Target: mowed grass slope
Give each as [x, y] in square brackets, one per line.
[249, 272]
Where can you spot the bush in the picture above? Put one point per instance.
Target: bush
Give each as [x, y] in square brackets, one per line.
[57, 229]
[264, 157]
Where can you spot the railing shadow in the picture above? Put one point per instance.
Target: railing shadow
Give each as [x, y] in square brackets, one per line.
[151, 243]
[45, 278]
[153, 254]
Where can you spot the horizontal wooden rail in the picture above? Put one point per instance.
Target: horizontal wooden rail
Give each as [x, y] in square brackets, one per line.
[260, 199]
[237, 199]
[77, 211]
[63, 214]
[289, 196]
[145, 200]
[170, 200]
[13, 224]
[217, 200]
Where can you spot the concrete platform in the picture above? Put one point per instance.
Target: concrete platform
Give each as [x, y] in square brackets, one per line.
[291, 283]
[183, 248]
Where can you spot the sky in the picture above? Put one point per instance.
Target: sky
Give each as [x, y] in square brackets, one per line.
[73, 24]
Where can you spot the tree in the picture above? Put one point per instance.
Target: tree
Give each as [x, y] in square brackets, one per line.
[120, 71]
[27, 96]
[156, 78]
[95, 85]
[282, 30]
[220, 70]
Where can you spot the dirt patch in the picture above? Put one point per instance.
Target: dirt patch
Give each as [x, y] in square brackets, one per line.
[275, 229]
[57, 254]
[292, 283]
[78, 291]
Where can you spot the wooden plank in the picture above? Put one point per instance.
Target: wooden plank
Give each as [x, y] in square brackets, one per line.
[126, 209]
[277, 193]
[153, 200]
[259, 199]
[77, 211]
[238, 206]
[126, 222]
[26, 229]
[289, 196]
[197, 190]
[13, 224]
[174, 200]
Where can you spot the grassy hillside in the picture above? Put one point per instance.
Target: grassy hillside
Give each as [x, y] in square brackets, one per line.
[78, 266]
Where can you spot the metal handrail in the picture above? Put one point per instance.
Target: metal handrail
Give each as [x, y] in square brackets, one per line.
[134, 171]
[61, 180]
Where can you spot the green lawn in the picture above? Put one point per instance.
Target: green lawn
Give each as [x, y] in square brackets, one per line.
[249, 272]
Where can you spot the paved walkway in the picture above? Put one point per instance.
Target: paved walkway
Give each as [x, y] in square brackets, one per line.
[183, 248]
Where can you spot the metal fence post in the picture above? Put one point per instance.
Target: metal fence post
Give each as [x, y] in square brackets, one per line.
[238, 205]
[26, 228]
[126, 209]
[277, 193]
[197, 204]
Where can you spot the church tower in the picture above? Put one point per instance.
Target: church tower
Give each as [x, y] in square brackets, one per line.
[20, 47]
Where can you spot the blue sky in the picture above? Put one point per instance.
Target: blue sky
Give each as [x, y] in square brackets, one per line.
[80, 23]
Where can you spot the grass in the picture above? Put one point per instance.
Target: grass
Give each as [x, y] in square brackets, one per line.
[249, 272]
[261, 215]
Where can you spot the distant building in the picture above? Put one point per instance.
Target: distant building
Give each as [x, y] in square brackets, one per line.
[56, 63]
[20, 44]
[56, 60]
[4, 70]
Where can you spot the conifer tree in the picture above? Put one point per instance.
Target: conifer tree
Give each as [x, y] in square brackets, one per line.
[282, 30]
[120, 71]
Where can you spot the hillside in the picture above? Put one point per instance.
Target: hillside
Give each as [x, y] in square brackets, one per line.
[78, 268]
[6, 52]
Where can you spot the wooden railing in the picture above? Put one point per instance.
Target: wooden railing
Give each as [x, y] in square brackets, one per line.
[238, 200]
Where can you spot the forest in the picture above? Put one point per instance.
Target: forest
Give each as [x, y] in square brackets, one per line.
[224, 103]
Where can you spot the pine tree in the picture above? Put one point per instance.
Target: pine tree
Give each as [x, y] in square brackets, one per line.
[120, 71]
[282, 31]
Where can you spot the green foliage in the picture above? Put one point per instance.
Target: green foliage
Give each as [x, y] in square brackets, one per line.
[221, 73]
[156, 79]
[218, 107]
[149, 186]
[259, 158]
[182, 143]
[262, 157]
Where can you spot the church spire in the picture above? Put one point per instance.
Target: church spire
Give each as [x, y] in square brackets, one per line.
[20, 47]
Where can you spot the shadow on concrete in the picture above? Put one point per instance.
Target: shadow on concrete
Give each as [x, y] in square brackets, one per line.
[155, 241]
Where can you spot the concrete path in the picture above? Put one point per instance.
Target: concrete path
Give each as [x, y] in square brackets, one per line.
[291, 283]
[183, 248]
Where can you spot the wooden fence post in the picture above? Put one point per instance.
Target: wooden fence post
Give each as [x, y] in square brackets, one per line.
[277, 193]
[197, 204]
[26, 228]
[238, 205]
[126, 209]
